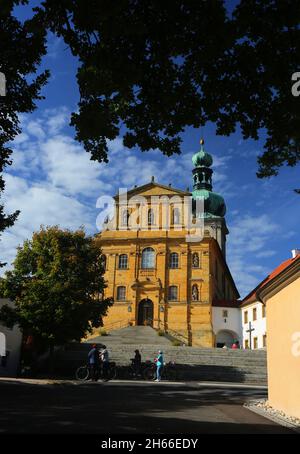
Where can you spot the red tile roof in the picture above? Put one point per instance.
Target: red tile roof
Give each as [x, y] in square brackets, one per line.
[252, 295]
[226, 303]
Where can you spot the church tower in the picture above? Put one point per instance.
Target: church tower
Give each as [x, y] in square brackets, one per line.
[214, 204]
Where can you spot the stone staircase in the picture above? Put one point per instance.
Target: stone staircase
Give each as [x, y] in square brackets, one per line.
[132, 335]
[212, 364]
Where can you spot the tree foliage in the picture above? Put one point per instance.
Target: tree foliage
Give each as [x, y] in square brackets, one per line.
[57, 287]
[151, 68]
[156, 67]
[21, 47]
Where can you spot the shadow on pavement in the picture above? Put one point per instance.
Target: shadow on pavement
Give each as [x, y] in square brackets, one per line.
[104, 408]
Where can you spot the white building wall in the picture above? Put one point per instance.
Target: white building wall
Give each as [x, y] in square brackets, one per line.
[259, 325]
[231, 324]
[13, 338]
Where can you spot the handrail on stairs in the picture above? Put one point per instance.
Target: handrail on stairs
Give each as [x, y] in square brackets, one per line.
[116, 325]
[178, 336]
[181, 337]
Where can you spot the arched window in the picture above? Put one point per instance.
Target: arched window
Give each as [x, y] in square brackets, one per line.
[123, 261]
[150, 217]
[174, 260]
[176, 216]
[195, 260]
[103, 261]
[173, 293]
[121, 293]
[125, 217]
[148, 258]
[195, 293]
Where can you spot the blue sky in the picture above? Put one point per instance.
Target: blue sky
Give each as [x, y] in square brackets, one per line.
[52, 180]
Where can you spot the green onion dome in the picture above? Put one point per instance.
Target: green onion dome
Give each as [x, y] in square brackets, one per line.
[214, 204]
[202, 159]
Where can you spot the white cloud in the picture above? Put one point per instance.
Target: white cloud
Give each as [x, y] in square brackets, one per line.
[247, 241]
[39, 205]
[53, 181]
[68, 166]
[57, 120]
[35, 128]
[266, 253]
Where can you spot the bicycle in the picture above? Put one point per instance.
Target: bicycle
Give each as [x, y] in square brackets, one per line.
[169, 372]
[134, 372]
[83, 373]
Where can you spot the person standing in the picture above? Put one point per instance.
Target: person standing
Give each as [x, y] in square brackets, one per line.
[137, 362]
[235, 345]
[93, 361]
[159, 365]
[105, 362]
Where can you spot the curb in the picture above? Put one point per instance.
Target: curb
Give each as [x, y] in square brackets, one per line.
[278, 419]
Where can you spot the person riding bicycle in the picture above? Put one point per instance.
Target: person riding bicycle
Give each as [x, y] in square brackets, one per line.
[104, 355]
[93, 361]
[137, 362]
[159, 361]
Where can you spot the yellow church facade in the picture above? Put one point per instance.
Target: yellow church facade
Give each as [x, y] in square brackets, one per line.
[162, 271]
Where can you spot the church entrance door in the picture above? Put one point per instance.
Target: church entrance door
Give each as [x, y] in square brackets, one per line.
[145, 312]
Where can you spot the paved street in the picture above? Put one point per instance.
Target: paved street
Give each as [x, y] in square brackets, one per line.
[129, 407]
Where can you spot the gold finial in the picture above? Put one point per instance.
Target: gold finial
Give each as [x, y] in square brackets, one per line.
[202, 141]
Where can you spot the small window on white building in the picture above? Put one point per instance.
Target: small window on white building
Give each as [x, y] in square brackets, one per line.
[225, 313]
[254, 314]
[264, 340]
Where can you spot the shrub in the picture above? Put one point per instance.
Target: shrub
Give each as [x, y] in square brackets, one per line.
[103, 332]
[176, 343]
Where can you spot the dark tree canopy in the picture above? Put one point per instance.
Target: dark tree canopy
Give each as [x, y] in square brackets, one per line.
[156, 67]
[21, 48]
[57, 287]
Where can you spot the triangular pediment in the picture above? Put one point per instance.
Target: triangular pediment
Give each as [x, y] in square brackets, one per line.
[155, 189]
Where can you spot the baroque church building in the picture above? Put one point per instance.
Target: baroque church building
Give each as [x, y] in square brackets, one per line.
[160, 269]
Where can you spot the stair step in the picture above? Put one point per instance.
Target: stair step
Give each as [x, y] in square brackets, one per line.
[193, 363]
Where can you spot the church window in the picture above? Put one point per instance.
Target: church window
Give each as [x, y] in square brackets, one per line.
[174, 260]
[150, 217]
[173, 293]
[148, 258]
[176, 216]
[125, 217]
[264, 311]
[246, 317]
[195, 260]
[246, 343]
[121, 293]
[123, 261]
[195, 292]
[255, 343]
